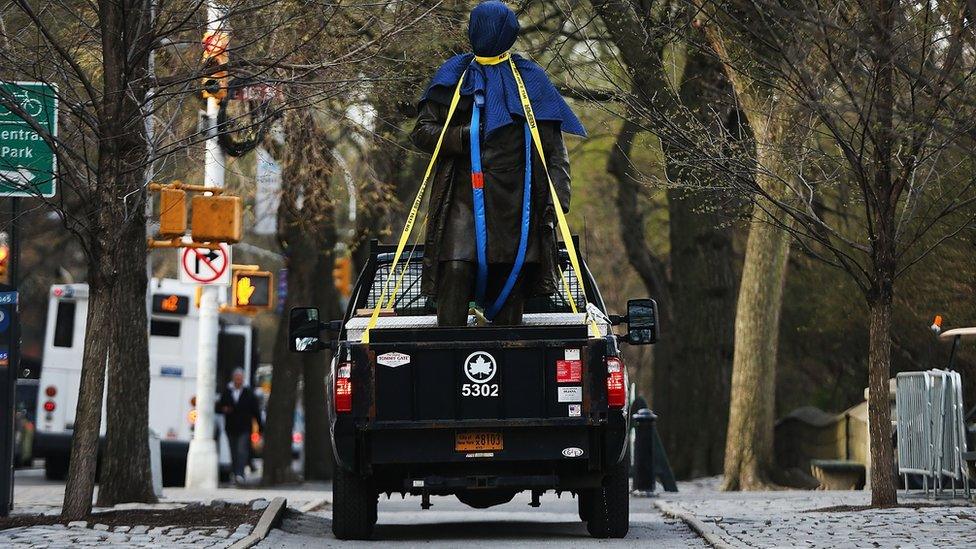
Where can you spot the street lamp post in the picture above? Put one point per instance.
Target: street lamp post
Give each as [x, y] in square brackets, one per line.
[201, 462]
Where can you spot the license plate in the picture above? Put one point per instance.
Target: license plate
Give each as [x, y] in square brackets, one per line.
[476, 442]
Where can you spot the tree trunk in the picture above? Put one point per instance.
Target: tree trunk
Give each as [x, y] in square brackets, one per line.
[749, 446]
[697, 371]
[126, 474]
[883, 492]
[116, 337]
[693, 380]
[284, 383]
[307, 232]
[88, 414]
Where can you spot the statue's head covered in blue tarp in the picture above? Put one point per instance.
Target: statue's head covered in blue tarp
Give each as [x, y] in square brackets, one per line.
[492, 30]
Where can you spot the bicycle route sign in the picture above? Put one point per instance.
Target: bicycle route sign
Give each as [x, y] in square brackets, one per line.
[205, 266]
[27, 163]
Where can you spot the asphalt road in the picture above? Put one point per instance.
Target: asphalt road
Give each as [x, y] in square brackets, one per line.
[450, 523]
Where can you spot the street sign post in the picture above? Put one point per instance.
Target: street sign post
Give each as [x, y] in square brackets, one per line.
[9, 361]
[205, 266]
[27, 164]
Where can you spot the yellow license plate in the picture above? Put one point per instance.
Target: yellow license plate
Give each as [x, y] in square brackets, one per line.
[476, 442]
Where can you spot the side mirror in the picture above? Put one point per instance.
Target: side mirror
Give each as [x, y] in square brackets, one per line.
[642, 325]
[304, 328]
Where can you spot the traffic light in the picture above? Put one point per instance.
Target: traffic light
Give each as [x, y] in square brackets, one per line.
[215, 84]
[217, 218]
[215, 55]
[172, 213]
[342, 275]
[4, 262]
[252, 290]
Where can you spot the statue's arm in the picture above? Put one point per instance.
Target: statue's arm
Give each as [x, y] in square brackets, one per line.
[557, 159]
[430, 121]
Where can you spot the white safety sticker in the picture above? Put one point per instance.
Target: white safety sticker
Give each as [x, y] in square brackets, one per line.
[572, 354]
[393, 359]
[570, 394]
[575, 410]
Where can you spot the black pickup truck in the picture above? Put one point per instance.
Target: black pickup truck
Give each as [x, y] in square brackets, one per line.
[479, 412]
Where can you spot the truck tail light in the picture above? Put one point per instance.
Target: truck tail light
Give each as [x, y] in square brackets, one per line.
[343, 388]
[51, 391]
[49, 406]
[616, 386]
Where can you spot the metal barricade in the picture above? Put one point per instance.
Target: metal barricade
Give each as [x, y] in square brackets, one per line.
[931, 428]
[914, 434]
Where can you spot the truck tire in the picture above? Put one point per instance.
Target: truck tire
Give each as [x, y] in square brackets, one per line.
[56, 467]
[607, 508]
[582, 505]
[353, 506]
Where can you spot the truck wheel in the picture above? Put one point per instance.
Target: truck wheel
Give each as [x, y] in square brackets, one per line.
[353, 506]
[56, 467]
[583, 505]
[607, 508]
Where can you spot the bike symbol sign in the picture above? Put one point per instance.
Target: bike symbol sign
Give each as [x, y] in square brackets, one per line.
[28, 123]
[204, 266]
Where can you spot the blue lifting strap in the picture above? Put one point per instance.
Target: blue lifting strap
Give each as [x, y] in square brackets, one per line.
[480, 224]
[478, 191]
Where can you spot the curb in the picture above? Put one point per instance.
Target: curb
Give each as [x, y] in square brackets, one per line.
[695, 524]
[313, 505]
[271, 516]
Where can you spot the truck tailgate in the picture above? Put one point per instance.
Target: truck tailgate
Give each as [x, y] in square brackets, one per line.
[458, 376]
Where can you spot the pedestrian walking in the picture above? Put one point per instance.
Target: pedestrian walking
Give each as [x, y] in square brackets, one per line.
[240, 407]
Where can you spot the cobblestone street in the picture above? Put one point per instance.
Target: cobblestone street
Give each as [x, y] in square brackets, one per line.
[793, 519]
[773, 519]
[81, 534]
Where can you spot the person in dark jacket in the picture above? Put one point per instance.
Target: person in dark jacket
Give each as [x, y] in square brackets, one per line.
[451, 251]
[240, 408]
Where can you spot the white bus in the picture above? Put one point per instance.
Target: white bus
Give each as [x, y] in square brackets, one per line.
[172, 364]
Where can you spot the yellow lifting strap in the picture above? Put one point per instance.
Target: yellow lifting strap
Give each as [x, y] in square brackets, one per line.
[560, 216]
[415, 208]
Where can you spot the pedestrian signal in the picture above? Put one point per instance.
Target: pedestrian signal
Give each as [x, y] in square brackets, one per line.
[4, 262]
[252, 290]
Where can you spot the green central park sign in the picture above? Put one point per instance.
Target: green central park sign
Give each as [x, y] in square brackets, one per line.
[27, 163]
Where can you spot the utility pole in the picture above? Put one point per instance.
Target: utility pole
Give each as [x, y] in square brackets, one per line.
[201, 461]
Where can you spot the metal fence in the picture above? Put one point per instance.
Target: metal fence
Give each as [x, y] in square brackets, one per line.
[931, 429]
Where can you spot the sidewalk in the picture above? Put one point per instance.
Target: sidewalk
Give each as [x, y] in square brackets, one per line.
[138, 525]
[34, 494]
[791, 518]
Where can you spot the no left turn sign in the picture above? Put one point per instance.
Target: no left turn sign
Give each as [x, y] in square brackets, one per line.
[204, 266]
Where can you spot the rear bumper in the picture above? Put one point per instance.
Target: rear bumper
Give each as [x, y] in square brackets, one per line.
[414, 457]
[51, 444]
[47, 444]
[423, 443]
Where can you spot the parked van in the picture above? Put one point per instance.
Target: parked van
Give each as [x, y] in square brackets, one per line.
[172, 362]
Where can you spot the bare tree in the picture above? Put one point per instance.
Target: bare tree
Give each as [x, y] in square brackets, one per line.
[695, 281]
[870, 177]
[307, 236]
[99, 57]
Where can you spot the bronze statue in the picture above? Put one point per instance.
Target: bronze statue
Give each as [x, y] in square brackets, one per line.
[491, 223]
